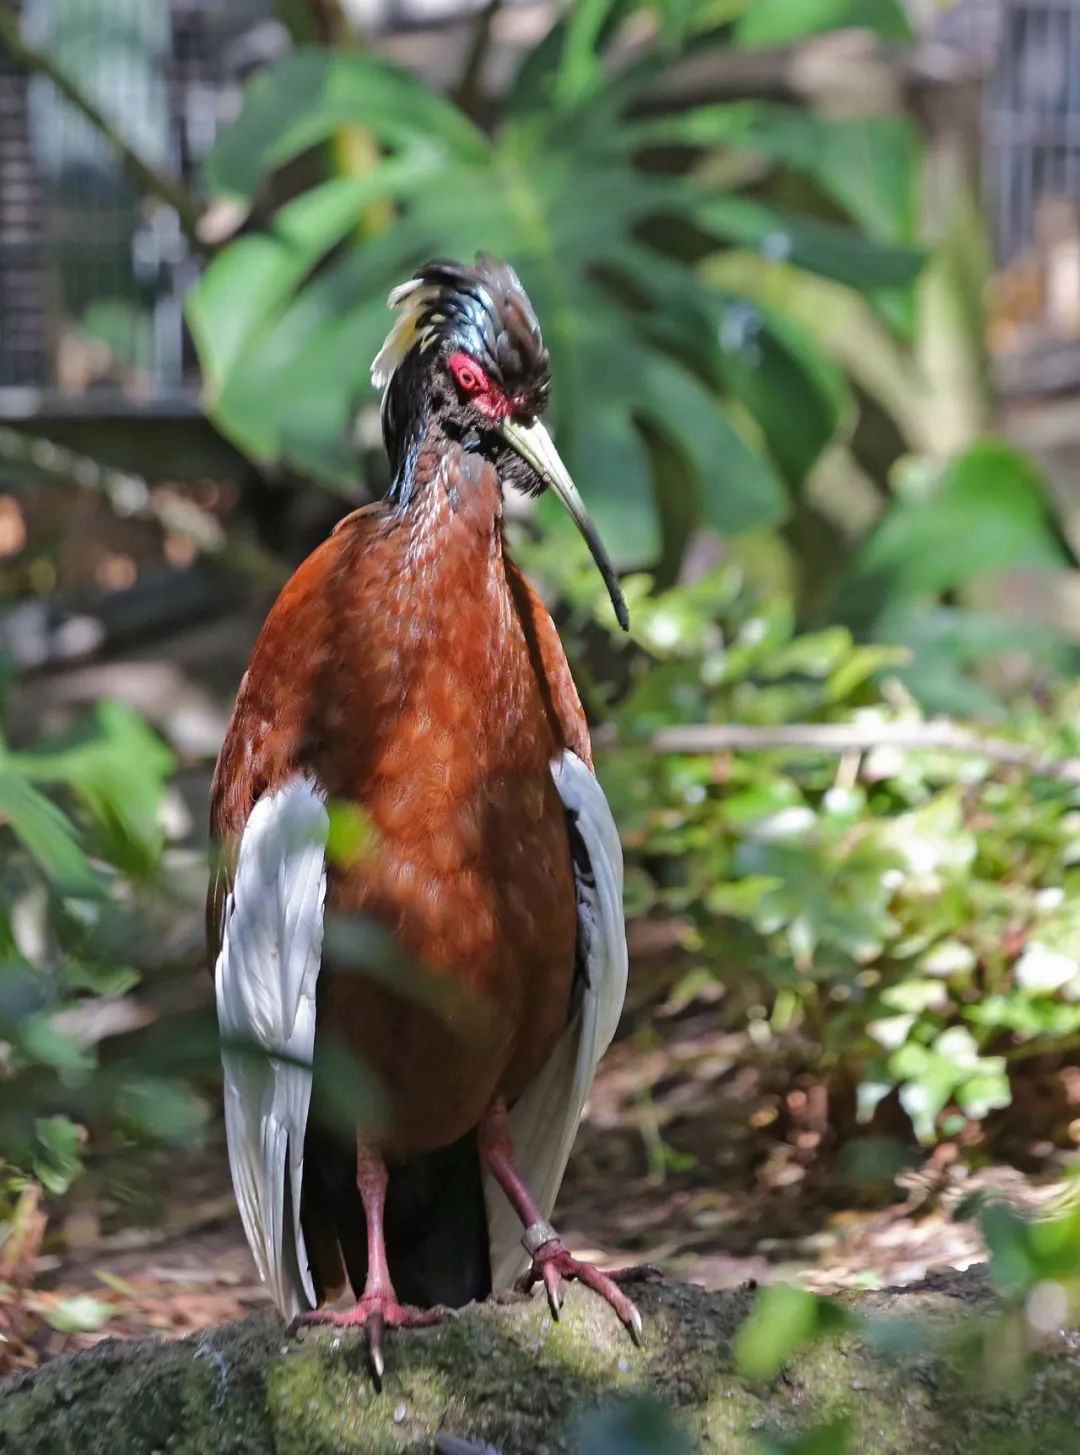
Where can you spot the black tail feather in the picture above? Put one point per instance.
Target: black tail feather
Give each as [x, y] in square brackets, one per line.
[436, 1220]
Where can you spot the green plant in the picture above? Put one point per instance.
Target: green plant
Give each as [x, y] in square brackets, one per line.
[677, 402]
[1034, 1274]
[895, 902]
[80, 845]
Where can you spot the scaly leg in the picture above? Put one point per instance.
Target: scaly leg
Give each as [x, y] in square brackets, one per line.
[377, 1308]
[551, 1260]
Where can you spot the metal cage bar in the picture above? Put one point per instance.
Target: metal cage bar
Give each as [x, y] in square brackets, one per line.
[92, 276]
[1031, 109]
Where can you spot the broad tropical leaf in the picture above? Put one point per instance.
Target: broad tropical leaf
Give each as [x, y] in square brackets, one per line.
[287, 319]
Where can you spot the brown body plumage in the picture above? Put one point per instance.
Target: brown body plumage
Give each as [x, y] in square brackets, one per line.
[439, 717]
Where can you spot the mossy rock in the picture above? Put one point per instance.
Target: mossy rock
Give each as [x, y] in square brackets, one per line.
[505, 1375]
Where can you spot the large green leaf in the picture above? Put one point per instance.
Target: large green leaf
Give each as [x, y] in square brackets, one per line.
[610, 460]
[947, 644]
[869, 169]
[798, 397]
[820, 247]
[988, 513]
[776, 22]
[311, 94]
[118, 768]
[44, 832]
[737, 488]
[287, 319]
[246, 283]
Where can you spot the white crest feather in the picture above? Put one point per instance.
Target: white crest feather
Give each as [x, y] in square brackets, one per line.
[265, 976]
[544, 1122]
[412, 298]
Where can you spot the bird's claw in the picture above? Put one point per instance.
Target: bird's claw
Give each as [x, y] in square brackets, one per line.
[553, 1262]
[375, 1313]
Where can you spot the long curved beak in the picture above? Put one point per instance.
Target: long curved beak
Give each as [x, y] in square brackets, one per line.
[536, 447]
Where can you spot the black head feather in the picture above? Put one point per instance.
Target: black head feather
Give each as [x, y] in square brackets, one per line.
[482, 310]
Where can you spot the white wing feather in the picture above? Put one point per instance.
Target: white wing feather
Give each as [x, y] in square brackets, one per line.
[265, 978]
[544, 1121]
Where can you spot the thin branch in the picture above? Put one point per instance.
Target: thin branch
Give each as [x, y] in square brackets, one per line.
[939, 736]
[132, 496]
[468, 93]
[1043, 1046]
[853, 71]
[144, 176]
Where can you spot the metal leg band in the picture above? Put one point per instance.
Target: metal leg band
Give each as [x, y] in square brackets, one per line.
[536, 1235]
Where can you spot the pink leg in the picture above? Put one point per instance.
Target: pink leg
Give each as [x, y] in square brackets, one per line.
[377, 1308]
[551, 1261]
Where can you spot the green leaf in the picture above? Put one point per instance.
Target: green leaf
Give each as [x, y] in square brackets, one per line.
[777, 22]
[795, 394]
[1006, 1235]
[869, 167]
[80, 1313]
[305, 98]
[42, 1040]
[58, 1153]
[772, 366]
[44, 832]
[783, 1320]
[233, 303]
[350, 835]
[821, 247]
[581, 65]
[118, 768]
[860, 665]
[638, 1426]
[737, 488]
[610, 465]
[163, 1109]
[988, 512]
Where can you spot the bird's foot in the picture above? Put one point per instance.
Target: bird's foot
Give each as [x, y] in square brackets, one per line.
[552, 1262]
[375, 1313]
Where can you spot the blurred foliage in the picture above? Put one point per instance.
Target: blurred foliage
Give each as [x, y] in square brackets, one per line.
[80, 847]
[677, 402]
[1034, 1271]
[744, 331]
[903, 921]
[636, 1426]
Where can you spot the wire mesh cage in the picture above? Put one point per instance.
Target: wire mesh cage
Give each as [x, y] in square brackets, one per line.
[92, 276]
[1030, 54]
[1031, 115]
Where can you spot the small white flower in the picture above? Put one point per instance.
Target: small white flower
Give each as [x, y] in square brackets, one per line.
[1040, 969]
[786, 823]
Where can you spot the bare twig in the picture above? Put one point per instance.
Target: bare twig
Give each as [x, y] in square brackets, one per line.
[132, 496]
[468, 93]
[939, 735]
[146, 177]
[851, 71]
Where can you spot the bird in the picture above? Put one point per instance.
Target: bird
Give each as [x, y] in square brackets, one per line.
[409, 675]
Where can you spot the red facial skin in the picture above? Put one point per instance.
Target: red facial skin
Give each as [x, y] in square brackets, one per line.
[485, 394]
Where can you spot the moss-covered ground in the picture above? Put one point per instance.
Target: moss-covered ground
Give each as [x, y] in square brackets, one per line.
[505, 1374]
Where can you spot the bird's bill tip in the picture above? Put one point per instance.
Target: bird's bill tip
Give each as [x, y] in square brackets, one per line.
[536, 447]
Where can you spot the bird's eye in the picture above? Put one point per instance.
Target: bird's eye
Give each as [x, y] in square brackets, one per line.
[468, 375]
